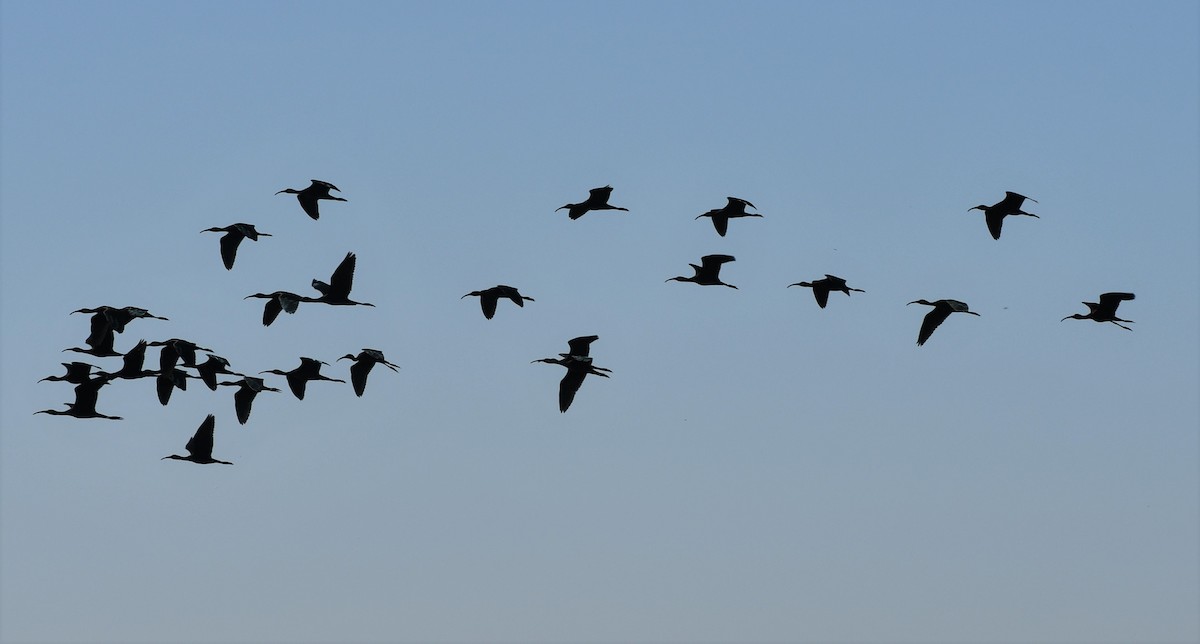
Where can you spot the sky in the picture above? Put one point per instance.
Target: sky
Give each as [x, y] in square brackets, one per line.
[756, 468]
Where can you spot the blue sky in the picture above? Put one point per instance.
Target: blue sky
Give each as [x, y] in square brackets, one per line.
[756, 468]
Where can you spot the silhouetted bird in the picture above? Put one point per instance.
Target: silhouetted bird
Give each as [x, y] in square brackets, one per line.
[234, 234]
[489, 296]
[337, 291]
[176, 350]
[279, 301]
[707, 274]
[721, 216]
[363, 363]
[1105, 310]
[212, 366]
[101, 347]
[579, 348]
[995, 213]
[822, 287]
[86, 395]
[77, 373]
[199, 447]
[132, 364]
[309, 196]
[248, 388]
[168, 380]
[597, 200]
[298, 378]
[578, 368]
[941, 310]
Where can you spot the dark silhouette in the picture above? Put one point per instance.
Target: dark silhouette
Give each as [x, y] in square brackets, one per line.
[101, 347]
[707, 274]
[580, 347]
[337, 291]
[363, 363]
[941, 310]
[176, 350]
[212, 366]
[168, 380]
[309, 196]
[248, 388]
[994, 214]
[298, 378]
[721, 216]
[116, 317]
[1105, 310]
[597, 200]
[234, 234]
[86, 395]
[132, 365]
[200, 445]
[77, 373]
[489, 296]
[822, 287]
[578, 368]
[279, 301]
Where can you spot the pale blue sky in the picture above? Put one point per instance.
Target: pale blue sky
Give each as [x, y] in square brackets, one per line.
[756, 468]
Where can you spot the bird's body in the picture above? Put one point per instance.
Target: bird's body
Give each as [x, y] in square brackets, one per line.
[279, 301]
[1105, 310]
[708, 272]
[488, 298]
[200, 445]
[243, 398]
[1010, 205]
[597, 200]
[299, 377]
[234, 234]
[363, 363]
[721, 216]
[309, 196]
[824, 286]
[337, 291]
[941, 310]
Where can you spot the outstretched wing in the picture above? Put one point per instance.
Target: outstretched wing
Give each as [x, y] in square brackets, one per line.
[200, 445]
[933, 319]
[568, 386]
[713, 262]
[343, 278]
[358, 375]
[242, 399]
[229, 246]
[995, 220]
[487, 302]
[578, 347]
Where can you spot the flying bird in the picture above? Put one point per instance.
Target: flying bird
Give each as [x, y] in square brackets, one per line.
[721, 216]
[299, 377]
[77, 373]
[200, 445]
[132, 364]
[488, 298]
[86, 395]
[363, 363]
[101, 347]
[309, 196]
[212, 366]
[248, 388]
[941, 310]
[578, 368]
[279, 301]
[176, 350]
[707, 274]
[1010, 205]
[822, 287]
[597, 200]
[234, 234]
[168, 380]
[337, 291]
[1105, 310]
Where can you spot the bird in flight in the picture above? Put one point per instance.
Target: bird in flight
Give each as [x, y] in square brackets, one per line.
[299, 377]
[309, 196]
[234, 234]
[721, 216]
[708, 272]
[488, 298]
[1010, 205]
[248, 388]
[941, 310]
[363, 363]
[823, 287]
[1105, 310]
[337, 291]
[278, 301]
[597, 200]
[200, 445]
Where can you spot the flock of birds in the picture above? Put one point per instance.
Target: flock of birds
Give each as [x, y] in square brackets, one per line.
[177, 355]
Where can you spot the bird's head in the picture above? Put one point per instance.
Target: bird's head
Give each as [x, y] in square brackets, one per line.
[290, 191]
[925, 302]
[979, 207]
[349, 356]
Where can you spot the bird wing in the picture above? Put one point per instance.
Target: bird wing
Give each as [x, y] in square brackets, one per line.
[297, 384]
[512, 294]
[575, 211]
[567, 387]
[229, 246]
[821, 292]
[579, 346]
[720, 222]
[165, 385]
[135, 358]
[1012, 201]
[487, 302]
[242, 399]
[308, 202]
[358, 375]
[200, 445]
[343, 278]
[713, 262]
[932, 320]
[1114, 299]
[271, 310]
[995, 219]
[601, 195]
[324, 184]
